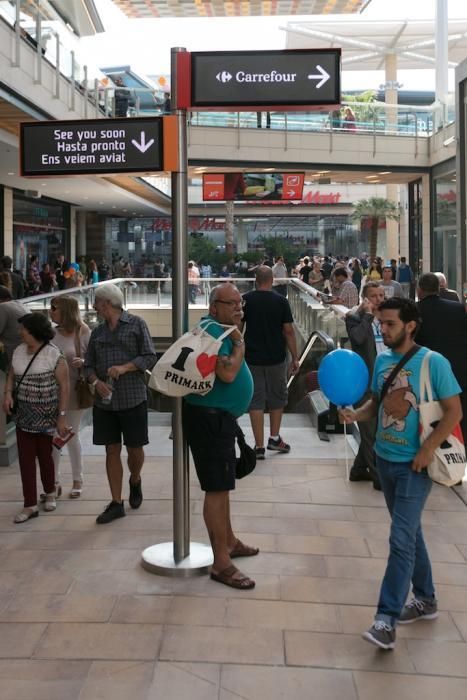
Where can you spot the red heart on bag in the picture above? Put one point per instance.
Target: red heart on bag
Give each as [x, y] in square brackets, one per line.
[206, 363]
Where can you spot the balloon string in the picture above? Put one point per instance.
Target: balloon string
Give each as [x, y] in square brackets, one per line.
[346, 454]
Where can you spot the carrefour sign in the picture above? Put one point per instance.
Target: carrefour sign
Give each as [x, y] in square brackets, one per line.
[305, 77]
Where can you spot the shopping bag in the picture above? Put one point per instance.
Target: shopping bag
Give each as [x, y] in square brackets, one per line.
[448, 464]
[188, 366]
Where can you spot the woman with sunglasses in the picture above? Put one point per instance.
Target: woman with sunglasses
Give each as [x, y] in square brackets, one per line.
[72, 338]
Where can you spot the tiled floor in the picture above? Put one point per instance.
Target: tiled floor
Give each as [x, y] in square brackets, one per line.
[81, 620]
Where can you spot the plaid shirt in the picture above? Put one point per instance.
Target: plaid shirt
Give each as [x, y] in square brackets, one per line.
[348, 294]
[129, 342]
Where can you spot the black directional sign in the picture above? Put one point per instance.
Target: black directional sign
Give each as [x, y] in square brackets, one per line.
[262, 78]
[91, 147]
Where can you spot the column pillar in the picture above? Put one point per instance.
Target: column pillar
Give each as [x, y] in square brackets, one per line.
[80, 233]
[404, 222]
[426, 223]
[441, 54]
[392, 227]
[8, 222]
[229, 227]
[390, 90]
[242, 237]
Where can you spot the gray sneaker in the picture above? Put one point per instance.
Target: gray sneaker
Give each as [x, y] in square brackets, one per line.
[381, 635]
[418, 610]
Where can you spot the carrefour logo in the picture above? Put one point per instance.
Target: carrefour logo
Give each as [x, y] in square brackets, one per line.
[224, 76]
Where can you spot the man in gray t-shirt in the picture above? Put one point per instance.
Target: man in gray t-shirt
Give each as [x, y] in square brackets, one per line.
[391, 288]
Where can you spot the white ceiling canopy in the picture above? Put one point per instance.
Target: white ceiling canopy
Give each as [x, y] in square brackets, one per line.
[365, 43]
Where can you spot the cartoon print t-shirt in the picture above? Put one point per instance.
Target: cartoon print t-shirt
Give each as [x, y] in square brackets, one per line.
[397, 437]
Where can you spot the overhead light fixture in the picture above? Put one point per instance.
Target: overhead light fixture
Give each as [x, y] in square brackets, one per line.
[11, 173]
[448, 141]
[385, 172]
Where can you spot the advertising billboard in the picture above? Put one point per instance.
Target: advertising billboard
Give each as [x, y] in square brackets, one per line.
[252, 187]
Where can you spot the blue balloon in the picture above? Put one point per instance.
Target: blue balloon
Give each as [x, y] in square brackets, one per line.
[75, 266]
[343, 377]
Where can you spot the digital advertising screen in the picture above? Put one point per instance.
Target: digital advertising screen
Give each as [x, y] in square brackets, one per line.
[252, 187]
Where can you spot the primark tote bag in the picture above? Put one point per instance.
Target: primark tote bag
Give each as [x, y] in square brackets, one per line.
[188, 366]
[448, 464]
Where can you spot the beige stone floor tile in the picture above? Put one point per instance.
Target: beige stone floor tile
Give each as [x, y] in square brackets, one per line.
[451, 574]
[330, 528]
[356, 619]
[118, 680]
[97, 560]
[447, 534]
[452, 597]
[58, 608]
[439, 551]
[278, 526]
[48, 540]
[343, 651]
[317, 473]
[186, 610]
[240, 508]
[285, 683]
[20, 561]
[313, 544]
[385, 686]
[282, 615]
[460, 620]
[355, 567]
[449, 519]
[49, 582]
[111, 539]
[174, 681]
[222, 645]
[284, 564]
[372, 514]
[132, 582]
[273, 495]
[9, 581]
[313, 511]
[18, 640]
[438, 658]
[42, 680]
[141, 608]
[463, 550]
[328, 590]
[266, 543]
[100, 641]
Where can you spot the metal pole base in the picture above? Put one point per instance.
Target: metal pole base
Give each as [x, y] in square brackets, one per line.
[159, 559]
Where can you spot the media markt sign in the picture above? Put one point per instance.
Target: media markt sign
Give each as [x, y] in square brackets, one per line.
[91, 147]
[261, 78]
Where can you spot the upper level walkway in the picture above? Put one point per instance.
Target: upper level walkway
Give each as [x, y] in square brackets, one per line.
[81, 619]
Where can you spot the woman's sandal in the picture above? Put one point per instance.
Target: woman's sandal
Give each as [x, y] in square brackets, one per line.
[243, 550]
[26, 514]
[76, 491]
[58, 493]
[50, 503]
[234, 578]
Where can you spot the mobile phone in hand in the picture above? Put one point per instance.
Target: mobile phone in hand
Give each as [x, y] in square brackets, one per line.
[59, 441]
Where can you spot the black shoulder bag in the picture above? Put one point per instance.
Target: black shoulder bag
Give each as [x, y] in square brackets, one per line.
[247, 460]
[14, 393]
[403, 361]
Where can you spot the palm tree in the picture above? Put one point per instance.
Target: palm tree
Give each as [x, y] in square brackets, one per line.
[375, 210]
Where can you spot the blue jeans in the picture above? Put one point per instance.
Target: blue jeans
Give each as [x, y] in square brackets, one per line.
[405, 492]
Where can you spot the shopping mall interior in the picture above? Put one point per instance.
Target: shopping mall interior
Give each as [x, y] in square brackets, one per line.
[80, 618]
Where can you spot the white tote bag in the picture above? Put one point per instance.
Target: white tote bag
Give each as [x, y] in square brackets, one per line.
[448, 464]
[188, 366]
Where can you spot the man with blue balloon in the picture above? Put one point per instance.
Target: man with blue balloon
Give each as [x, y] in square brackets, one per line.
[402, 461]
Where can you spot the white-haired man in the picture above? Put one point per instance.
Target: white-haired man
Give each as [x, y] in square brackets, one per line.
[119, 352]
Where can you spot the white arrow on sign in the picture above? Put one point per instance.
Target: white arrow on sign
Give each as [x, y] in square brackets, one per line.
[323, 77]
[290, 193]
[142, 145]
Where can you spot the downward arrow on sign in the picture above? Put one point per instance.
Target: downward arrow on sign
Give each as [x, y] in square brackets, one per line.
[142, 145]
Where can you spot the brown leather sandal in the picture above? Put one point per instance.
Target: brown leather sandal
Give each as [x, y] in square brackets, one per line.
[229, 578]
[243, 550]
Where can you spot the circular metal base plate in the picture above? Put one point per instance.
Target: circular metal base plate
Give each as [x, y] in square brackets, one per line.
[159, 559]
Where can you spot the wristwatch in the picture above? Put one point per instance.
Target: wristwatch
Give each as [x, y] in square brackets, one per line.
[94, 382]
[62, 413]
[238, 342]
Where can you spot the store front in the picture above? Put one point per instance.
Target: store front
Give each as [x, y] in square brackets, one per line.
[444, 237]
[40, 227]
